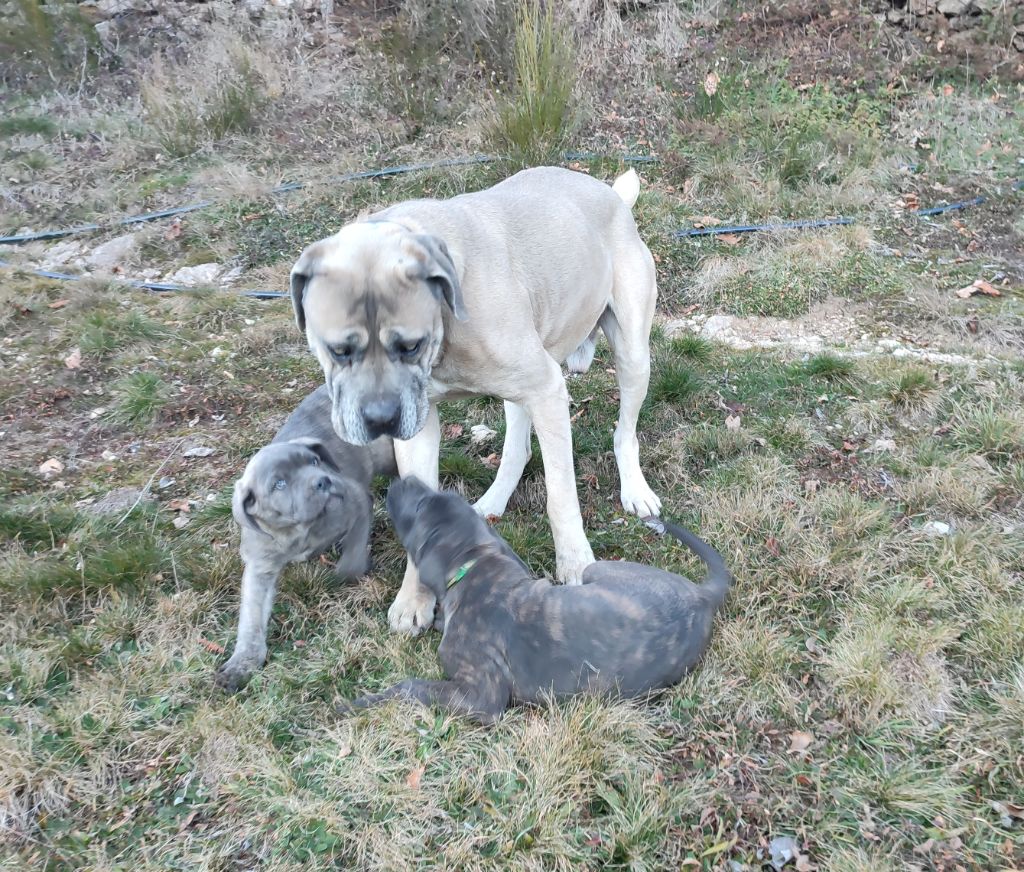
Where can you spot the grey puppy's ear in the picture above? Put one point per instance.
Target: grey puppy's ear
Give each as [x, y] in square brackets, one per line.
[300, 275]
[319, 449]
[241, 504]
[439, 271]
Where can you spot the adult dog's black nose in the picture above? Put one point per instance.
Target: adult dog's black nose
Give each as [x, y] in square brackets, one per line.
[382, 416]
[323, 483]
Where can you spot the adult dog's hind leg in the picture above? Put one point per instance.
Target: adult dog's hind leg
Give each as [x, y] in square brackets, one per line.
[627, 326]
[412, 611]
[548, 405]
[514, 456]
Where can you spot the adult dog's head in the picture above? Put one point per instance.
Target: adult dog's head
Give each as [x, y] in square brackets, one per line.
[371, 300]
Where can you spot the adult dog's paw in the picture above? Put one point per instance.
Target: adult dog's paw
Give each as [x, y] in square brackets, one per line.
[412, 612]
[639, 499]
[569, 566]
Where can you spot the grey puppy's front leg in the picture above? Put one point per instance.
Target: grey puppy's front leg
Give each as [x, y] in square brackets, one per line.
[482, 705]
[259, 585]
[355, 543]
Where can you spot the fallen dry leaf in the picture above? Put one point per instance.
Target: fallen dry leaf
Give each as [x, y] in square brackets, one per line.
[706, 221]
[491, 461]
[947, 90]
[412, 780]
[799, 741]
[212, 647]
[772, 544]
[729, 238]
[711, 82]
[811, 486]
[733, 422]
[74, 359]
[179, 505]
[453, 431]
[979, 286]
[58, 304]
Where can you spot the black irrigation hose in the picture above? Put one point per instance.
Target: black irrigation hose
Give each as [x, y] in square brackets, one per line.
[164, 287]
[829, 222]
[60, 233]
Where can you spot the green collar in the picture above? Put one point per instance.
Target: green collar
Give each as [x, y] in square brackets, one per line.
[460, 573]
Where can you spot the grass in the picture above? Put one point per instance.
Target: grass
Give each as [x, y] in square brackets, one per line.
[219, 93]
[895, 650]
[533, 124]
[138, 398]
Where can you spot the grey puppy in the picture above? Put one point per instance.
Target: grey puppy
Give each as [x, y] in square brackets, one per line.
[512, 638]
[300, 495]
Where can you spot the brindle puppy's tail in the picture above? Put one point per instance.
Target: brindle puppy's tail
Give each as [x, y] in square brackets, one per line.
[718, 577]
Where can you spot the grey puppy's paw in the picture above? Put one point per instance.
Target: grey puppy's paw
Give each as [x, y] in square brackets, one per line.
[233, 676]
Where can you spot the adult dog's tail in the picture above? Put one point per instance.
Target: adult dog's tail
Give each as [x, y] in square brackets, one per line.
[627, 186]
[718, 577]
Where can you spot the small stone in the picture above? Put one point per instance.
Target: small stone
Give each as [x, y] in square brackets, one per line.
[190, 276]
[481, 433]
[936, 528]
[884, 445]
[198, 451]
[97, 412]
[181, 521]
[111, 254]
[108, 455]
[50, 467]
[165, 482]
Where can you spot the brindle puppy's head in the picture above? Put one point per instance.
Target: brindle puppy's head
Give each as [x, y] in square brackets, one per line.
[289, 485]
[440, 531]
[371, 299]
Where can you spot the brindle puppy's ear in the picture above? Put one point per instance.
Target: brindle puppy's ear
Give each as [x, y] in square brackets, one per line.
[300, 276]
[319, 449]
[241, 507]
[439, 271]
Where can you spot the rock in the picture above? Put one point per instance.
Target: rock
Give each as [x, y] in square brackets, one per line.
[118, 500]
[62, 253]
[717, 324]
[936, 528]
[111, 254]
[921, 7]
[481, 433]
[50, 468]
[190, 276]
[951, 8]
[784, 850]
[198, 451]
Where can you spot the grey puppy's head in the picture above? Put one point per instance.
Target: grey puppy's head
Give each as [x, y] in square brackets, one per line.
[287, 484]
[441, 531]
[371, 301]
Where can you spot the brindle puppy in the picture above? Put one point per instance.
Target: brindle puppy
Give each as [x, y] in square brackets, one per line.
[512, 638]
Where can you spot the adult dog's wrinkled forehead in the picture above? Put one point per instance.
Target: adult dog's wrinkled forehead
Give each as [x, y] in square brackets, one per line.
[373, 276]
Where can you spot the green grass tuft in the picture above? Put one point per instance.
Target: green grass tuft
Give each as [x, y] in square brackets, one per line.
[830, 367]
[138, 398]
[674, 383]
[694, 347]
[104, 332]
[534, 124]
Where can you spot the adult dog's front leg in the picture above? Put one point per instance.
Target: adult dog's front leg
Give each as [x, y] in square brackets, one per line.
[412, 611]
[259, 585]
[549, 409]
[483, 704]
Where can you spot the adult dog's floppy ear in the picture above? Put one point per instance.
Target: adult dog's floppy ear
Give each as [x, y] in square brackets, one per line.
[301, 274]
[439, 271]
[241, 507]
[319, 449]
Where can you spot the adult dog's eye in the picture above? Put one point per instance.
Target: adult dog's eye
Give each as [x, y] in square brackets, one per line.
[343, 353]
[315, 461]
[280, 484]
[409, 349]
